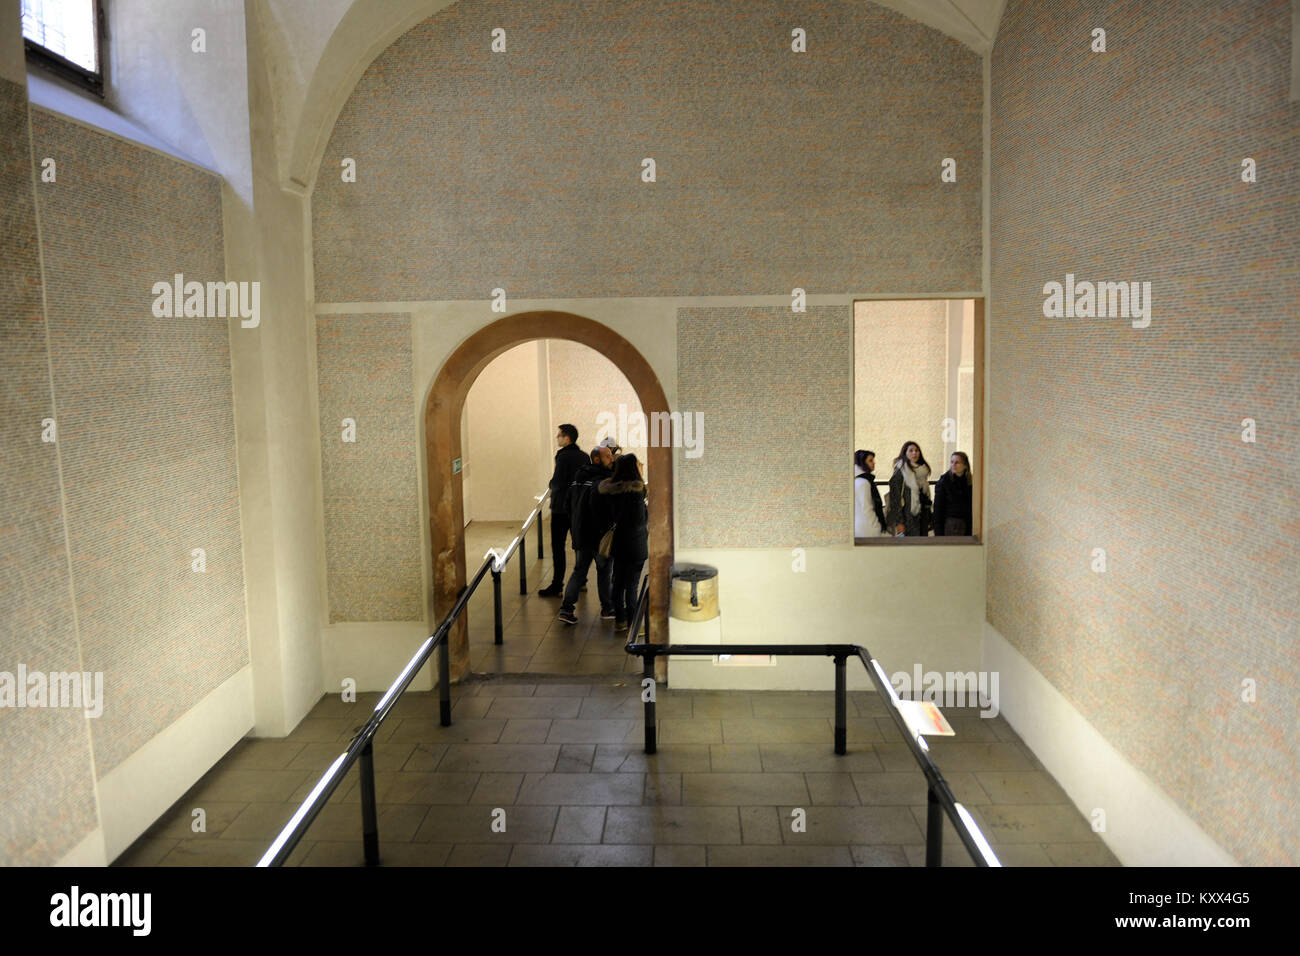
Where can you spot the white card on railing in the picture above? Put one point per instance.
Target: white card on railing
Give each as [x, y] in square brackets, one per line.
[925, 719]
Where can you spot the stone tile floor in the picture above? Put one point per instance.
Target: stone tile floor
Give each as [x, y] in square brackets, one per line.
[534, 641]
[562, 758]
[555, 744]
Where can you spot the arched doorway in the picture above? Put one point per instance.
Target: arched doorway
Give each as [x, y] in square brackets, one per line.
[442, 410]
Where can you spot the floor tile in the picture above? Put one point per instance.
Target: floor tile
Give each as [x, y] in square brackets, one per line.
[663, 789]
[1056, 823]
[247, 786]
[853, 825]
[261, 821]
[1094, 853]
[1022, 787]
[666, 825]
[585, 789]
[680, 856]
[950, 755]
[579, 825]
[426, 788]
[579, 731]
[263, 754]
[179, 821]
[500, 758]
[632, 758]
[522, 730]
[801, 758]
[735, 758]
[879, 856]
[468, 731]
[759, 825]
[575, 758]
[215, 853]
[424, 757]
[773, 730]
[834, 788]
[146, 851]
[497, 789]
[473, 824]
[718, 705]
[559, 855]
[352, 853]
[779, 704]
[779, 856]
[675, 730]
[535, 706]
[480, 854]
[737, 789]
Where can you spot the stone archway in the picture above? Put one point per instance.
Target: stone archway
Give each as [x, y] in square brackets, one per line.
[442, 410]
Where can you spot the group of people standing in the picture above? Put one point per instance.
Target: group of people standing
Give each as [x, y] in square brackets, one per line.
[912, 511]
[599, 500]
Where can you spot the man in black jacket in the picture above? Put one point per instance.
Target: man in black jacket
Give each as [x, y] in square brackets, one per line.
[590, 521]
[568, 459]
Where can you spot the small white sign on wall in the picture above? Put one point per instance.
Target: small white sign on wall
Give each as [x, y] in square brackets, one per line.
[455, 466]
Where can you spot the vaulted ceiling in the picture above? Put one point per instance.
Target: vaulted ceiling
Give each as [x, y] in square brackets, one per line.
[973, 22]
[318, 49]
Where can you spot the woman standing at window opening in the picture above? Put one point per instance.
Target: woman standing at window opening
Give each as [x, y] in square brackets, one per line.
[909, 493]
[952, 498]
[868, 510]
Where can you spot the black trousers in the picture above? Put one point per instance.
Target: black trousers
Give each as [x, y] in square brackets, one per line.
[559, 547]
[626, 588]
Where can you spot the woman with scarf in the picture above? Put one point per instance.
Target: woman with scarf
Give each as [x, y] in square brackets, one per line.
[909, 493]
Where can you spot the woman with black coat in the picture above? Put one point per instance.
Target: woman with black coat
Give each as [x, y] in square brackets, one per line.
[952, 498]
[631, 547]
[909, 493]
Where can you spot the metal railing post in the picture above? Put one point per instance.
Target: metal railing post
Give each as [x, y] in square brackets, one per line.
[496, 601]
[444, 680]
[648, 670]
[523, 564]
[841, 706]
[541, 545]
[369, 819]
[933, 829]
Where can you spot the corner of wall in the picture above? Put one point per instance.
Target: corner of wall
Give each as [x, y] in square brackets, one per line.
[1143, 825]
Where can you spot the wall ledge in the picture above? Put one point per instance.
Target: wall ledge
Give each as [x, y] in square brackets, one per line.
[46, 94]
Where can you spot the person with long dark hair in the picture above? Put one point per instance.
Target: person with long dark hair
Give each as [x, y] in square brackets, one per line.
[868, 509]
[909, 493]
[952, 498]
[631, 538]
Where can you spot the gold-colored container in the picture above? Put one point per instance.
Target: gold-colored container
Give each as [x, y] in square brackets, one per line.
[694, 593]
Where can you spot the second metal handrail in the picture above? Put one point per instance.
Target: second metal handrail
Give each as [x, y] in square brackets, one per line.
[939, 798]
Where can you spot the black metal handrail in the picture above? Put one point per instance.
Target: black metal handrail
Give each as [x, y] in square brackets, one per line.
[362, 745]
[939, 799]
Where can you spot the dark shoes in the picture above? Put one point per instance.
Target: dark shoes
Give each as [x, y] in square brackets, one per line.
[568, 617]
[620, 625]
[606, 615]
[553, 591]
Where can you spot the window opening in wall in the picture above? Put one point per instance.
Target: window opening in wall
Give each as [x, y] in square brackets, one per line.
[918, 369]
[63, 36]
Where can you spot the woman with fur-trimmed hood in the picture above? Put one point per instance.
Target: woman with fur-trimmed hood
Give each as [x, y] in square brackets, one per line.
[909, 493]
[631, 546]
